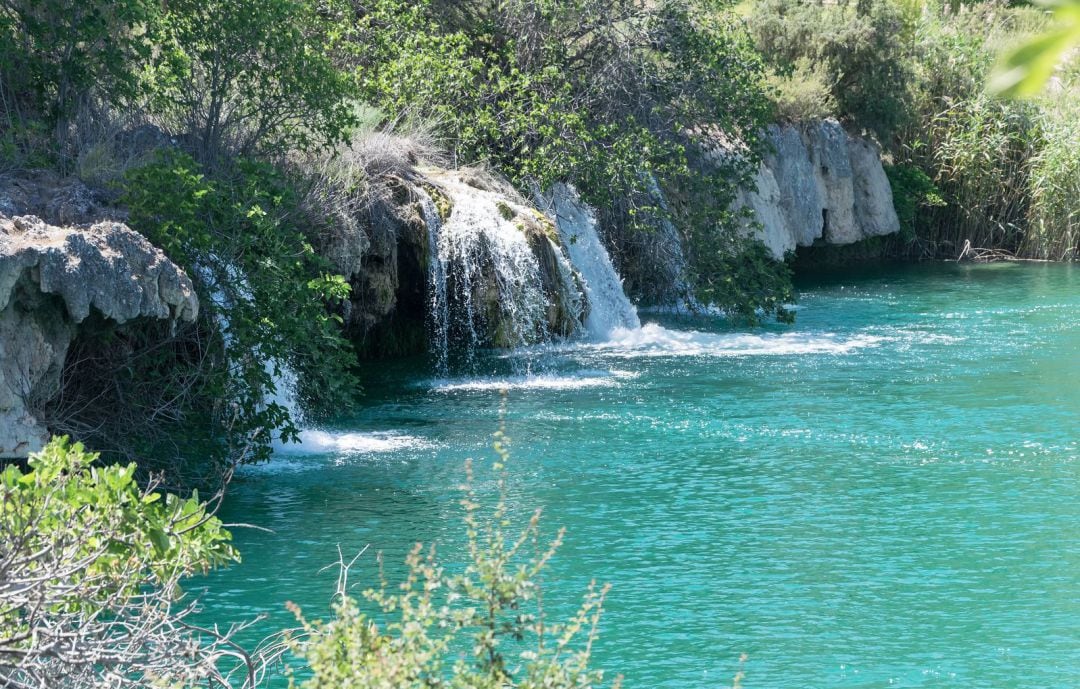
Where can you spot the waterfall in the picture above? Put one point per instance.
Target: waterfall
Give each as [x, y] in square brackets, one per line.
[609, 307]
[438, 303]
[282, 376]
[485, 282]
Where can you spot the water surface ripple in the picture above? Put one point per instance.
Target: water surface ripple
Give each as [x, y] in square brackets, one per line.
[885, 494]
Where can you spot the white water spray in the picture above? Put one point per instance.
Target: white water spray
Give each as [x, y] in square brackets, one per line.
[609, 308]
[484, 280]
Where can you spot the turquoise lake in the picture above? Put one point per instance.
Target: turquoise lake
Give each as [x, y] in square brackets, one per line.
[884, 494]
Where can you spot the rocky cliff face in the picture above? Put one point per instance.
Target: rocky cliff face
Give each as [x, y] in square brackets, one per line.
[51, 278]
[459, 256]
[819, 184]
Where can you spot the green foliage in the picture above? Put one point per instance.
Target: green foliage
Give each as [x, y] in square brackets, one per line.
[249, 76]
[912, 189]
[53, 52]
[483, 628]
[860, 46]
[984, 153]
[804, 94]
[70, 498]
[749, 278]
[89, 571]
[1053, 230]
[1025, 70]
[262, 289]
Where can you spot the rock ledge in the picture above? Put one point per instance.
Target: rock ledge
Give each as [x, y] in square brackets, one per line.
[51, 278]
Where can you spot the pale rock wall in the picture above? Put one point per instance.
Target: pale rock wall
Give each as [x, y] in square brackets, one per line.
[819, 183]
[50, 280]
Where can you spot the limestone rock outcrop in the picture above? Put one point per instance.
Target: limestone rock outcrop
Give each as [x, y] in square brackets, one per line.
[459, 240]
[819, 184]
[51, 279]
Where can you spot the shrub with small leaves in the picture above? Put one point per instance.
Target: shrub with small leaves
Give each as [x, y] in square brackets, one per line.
[483, 628]
[90, 567]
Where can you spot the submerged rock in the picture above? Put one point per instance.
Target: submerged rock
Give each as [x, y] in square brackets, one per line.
[51, 278]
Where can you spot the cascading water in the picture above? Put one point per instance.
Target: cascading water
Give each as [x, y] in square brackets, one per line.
[438, 302]
[485, 284]
[283, 379]
[609, 308]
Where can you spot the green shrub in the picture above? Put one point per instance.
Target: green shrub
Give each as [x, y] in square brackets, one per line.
[860, 47]
[803, 95]
[248, 77]
[90, 566]
[912, 190]
[53, 53]
[482, 628]
[263, 295]
[749, 277]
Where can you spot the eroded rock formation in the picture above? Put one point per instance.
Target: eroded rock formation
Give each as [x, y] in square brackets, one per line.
[819, 184]
[51, 278]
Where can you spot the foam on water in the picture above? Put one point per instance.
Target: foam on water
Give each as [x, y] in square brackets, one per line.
[655, 340]
[316, 442]
[580, 380]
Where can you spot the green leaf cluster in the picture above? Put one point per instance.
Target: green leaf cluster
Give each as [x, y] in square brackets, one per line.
[246, 77]
[1025, 70]
[912, 189]
[264, 293]
[99, 538]
[861, 47]
[53, 52]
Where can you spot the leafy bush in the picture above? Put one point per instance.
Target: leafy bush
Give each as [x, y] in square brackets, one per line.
[750, 278]
[90, 567]
[262, 291]
[803, 95]
[249, 76]
[912, 189]
[861, 48]
[482, 628]
[54, 52]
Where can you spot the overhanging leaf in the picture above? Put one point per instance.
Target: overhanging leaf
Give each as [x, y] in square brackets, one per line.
[1024, 71]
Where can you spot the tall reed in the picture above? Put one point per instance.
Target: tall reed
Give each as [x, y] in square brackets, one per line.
[1053, 223]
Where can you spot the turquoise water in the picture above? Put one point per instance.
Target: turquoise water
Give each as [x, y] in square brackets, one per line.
[885, 494]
